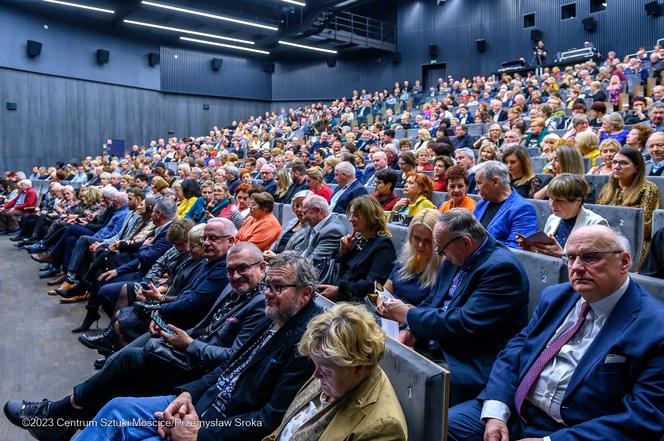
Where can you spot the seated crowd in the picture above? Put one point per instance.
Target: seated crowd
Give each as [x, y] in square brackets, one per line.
[207, 254]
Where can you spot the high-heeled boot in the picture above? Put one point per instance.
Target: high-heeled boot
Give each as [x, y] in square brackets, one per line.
[90, 317]
[103, 342]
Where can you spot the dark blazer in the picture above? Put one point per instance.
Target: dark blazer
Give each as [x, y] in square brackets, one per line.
[195, 301]
[617, 397]
[501, 117]
[293, 190]
[264, 389]
[356, 189]
[214, 344]
[489, 307]
[516, 215]
[360, 268]
[147, 255]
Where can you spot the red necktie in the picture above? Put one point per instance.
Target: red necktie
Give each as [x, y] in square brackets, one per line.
[545, 357]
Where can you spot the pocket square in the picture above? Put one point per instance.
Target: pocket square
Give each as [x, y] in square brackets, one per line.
[613, 358]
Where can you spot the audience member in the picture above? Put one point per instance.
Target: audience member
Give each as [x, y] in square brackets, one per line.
[348, 187]
[261, 227]
[457, 187]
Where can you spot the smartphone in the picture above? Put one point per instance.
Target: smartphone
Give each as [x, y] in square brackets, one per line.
[145, 285]
[161, 323]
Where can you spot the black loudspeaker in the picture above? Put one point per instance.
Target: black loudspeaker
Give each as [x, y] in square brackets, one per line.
[331, 61]
[268, 67]
[536, 35]
[12, 106]
[153, 59]
[34, 48]
[206, 107]
[481, 44]
[396, 57]
[589, 24]
[654, 9]
[103, 56]
[433, 50]
[216, 64]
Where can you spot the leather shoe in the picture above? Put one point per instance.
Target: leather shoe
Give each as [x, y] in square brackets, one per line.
[65, 286]
[17, 238]
[58, 280]
[75, 299]
[25, 413]
[67, 290]
[42, 258]
[103, 342]
[50, 273]
[35, 248]
[100, 362]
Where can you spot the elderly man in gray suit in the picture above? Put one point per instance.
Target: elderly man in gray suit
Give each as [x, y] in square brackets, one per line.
[326, 231]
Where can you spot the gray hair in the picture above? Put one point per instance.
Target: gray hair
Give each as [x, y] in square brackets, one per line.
[255, 253]
[196, 234]
[319, 202]
[105, 175]
[305, 271]
[493, 169]
[461, 222]
[121, 198]
[615, 120]
[109, 192]
[468, 151]
[167, 207]
[346, 168]
[26, 182]
[229, 227]
[302, 194]
[233, 170]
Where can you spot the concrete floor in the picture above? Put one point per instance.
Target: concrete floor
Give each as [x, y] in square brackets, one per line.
[39, 356]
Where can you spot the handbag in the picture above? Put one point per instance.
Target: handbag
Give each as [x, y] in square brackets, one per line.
[156, 349]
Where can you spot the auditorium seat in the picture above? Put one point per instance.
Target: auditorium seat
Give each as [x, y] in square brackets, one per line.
[659, 182]
[542, 271]
[657, 220]
[399, 236]
[651, 284]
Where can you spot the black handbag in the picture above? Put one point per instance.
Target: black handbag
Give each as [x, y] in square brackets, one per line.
[156, 349]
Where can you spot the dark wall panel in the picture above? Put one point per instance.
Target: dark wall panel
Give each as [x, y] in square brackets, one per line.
[187, 71]
[71, 52]
[66, 119]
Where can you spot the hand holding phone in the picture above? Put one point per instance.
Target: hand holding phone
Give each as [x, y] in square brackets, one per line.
[161, 323]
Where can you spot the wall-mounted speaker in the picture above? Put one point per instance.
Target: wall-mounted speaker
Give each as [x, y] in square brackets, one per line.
[396, 57]
[536, 35]
[34, 48]
[481, 44]
[589, 24]
[103, 56]
[206, 107]
[653, 8]
[12, 106]
[433, 50]
[331, 61]
[153, 59]
[216, 64]
[268, 66]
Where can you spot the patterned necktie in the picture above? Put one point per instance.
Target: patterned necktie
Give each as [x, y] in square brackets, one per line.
[545, 357]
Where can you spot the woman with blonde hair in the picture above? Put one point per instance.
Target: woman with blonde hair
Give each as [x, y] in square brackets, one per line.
[422, 155]
[317, 184]
[283, 182]
[366, 255]
[566, 158]
[607, 151]
[423, 138]
[415, 271]
[588, 144]
[345, 343]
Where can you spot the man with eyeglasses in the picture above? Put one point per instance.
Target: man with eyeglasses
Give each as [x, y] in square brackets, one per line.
[478, 304]
[236, 315]
[588, 365]
[267, 178]
[655, 147]
[245, 397]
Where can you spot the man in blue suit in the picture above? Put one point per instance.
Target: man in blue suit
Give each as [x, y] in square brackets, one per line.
[502, 211]
[348, 189]
[589, 364]
[478, 304]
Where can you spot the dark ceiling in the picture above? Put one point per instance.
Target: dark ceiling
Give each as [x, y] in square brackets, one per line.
[295, 23]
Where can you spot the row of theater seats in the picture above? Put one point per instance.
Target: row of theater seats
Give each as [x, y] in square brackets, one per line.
[423, 386]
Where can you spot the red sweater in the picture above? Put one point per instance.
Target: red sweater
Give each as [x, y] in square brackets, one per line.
[30, 200]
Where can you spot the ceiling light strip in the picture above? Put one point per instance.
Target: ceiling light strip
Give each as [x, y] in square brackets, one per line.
[76, 5]
[186, 31]
[231, 46]
[294, 2]
[311, 48]
[208, 15]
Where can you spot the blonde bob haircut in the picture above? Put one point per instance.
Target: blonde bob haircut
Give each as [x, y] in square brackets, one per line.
[345, 334]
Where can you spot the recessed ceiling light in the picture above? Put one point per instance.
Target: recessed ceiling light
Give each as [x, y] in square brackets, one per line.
[231, 46]
[186, 31]
[76, 5]
[209, 15]
[311, 48]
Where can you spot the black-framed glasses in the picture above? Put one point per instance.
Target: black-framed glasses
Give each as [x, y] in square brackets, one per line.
[587, 259]
[214, 238]
[241, 269]
[441, 250]
[276, 288]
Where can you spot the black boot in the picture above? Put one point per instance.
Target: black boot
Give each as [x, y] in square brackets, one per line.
[25, 414]
[103, 342]
[100, 362]
[91, 316]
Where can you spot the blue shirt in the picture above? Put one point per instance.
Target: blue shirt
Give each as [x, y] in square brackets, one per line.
[409, 290]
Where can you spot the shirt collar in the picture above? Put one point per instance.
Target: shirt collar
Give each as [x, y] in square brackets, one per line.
[471, 258]
[160, 229]
[320, 224]
[604, 307]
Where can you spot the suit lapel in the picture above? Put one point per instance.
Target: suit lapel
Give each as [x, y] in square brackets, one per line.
[623, 314]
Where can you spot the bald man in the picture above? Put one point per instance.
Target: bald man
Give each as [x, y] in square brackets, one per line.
[588, 365]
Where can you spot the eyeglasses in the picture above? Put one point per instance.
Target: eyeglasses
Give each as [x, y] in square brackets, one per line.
[214, 238]
[587, 259]
[276, 288]
[241, 269]
[441, 250]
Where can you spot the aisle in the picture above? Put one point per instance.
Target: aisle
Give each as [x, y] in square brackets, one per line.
[39, 356]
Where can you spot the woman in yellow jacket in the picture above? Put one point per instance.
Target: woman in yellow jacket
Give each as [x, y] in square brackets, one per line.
[188, 193]
[417, 189]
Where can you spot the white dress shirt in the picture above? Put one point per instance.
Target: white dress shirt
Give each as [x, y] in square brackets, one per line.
[549, 389]
[335, 197]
